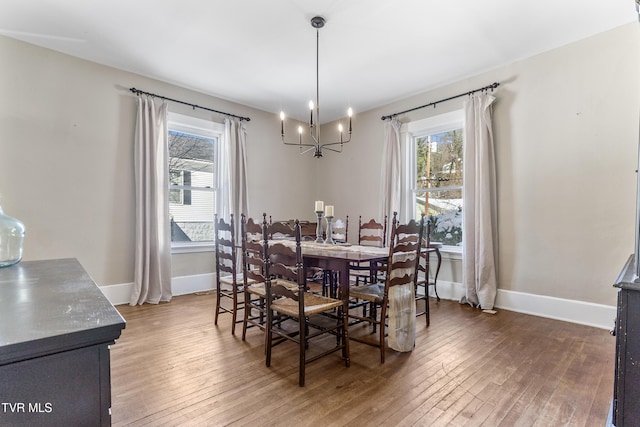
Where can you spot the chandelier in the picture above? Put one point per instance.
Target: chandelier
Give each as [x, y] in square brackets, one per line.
[314, 143]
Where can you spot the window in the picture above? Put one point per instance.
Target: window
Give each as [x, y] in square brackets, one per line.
[179, 179]
[192, 175]
[435, 181]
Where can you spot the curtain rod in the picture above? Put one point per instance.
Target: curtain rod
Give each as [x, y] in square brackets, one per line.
[492, 86]
[138, 92]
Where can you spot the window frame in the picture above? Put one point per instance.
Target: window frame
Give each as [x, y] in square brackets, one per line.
[205, 128]
[410, 133]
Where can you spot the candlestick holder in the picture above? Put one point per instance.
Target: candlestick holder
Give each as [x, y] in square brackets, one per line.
[329, 239]
[319, 227]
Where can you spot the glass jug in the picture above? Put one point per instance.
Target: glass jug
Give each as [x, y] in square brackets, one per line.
[11, 240]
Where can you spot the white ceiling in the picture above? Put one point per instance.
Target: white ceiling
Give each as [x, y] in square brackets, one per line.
[262, 53]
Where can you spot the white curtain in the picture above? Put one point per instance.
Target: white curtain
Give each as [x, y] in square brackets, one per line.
[391, 181]
[232, 178]
[480, 243]
[224, 191]
[152, 275]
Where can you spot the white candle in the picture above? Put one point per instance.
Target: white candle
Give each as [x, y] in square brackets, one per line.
[319, 205]
[328, 211]
[282, 122]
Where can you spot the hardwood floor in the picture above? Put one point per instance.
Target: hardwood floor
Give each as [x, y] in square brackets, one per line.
[172, 366]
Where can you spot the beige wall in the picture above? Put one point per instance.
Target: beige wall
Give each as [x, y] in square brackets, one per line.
[66, 159]
[566, 126]
[566, 135]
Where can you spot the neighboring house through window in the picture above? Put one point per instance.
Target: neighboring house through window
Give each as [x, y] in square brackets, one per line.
[192, 188]
[434, 168]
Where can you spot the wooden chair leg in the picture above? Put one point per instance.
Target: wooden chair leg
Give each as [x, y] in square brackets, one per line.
[325, 282]
[268, 338]
[338, 331]
[426, 309]
[245, 317]
[303, 348]
[345, 336]
[234, 314]
[383, 313]
[373, 313]
[215, 320]
[262, 309]
[334, 285]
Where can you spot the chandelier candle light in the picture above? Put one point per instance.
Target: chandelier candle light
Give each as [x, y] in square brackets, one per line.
[314, 128]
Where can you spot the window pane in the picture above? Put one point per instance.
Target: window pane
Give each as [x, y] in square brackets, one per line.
[439, 160]
[444, 211]
[193, 222]
[192, 153]
[175, 196]
[192, 187]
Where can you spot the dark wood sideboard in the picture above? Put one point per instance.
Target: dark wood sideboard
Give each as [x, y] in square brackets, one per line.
[55, 330]
[626, 393]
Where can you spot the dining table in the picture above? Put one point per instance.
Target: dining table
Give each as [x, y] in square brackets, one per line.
[338, 258]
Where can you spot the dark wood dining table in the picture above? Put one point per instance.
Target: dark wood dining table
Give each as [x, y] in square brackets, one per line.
[339, 258]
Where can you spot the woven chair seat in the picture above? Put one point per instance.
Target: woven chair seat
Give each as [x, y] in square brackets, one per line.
[259, 288]
[313, 304]
[373, 293]
[228, 280]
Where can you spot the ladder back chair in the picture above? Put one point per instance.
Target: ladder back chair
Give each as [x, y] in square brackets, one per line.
[254, 236]
[424, 274]
[340, 230]
[253, 265]
[228, 283]
[295, 314]
[370, 233]
[401, 270]
[279, 230]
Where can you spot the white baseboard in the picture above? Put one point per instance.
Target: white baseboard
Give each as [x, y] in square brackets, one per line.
[581, 312]
[585, 313]
[181, 285]
[118, 294]
[184, 285]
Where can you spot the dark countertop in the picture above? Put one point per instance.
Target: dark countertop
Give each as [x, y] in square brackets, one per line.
[52, 306]
[627, 279]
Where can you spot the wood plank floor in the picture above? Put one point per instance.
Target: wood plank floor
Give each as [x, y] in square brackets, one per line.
[172, 366]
